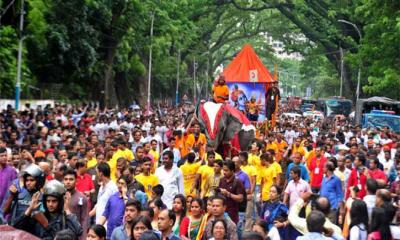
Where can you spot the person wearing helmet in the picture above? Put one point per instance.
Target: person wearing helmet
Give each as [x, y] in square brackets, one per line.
[21, 191]
[58, 215]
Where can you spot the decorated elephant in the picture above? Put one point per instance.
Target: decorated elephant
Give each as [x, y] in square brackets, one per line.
[226, 128]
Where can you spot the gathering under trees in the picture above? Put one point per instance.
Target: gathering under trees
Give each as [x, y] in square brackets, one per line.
[99, 50]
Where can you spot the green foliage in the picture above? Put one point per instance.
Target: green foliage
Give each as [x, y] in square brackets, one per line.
[84, 44]
[8, 60]
[380, 49]
[8, 64]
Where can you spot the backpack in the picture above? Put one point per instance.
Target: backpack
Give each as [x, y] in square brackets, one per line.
[243, 203]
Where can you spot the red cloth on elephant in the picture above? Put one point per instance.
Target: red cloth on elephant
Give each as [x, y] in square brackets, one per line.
[237, 114]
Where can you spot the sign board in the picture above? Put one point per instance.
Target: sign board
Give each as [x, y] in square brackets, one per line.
[253, 75]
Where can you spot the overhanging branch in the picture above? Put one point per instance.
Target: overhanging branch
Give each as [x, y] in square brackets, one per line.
[255, 9]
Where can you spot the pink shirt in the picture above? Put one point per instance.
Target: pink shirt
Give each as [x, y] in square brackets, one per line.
[296, 189]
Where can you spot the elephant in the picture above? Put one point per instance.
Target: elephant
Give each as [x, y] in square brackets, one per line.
[225, 125]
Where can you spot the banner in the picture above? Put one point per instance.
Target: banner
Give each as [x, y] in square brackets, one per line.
[241, 93]
[22, 105]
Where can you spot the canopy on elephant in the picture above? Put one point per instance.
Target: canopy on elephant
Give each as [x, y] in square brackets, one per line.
[247, 67]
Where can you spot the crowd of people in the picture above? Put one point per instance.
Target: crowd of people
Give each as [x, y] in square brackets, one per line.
[79, 172]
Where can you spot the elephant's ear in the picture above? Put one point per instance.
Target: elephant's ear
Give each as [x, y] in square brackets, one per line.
[232, 128]
[245, 138]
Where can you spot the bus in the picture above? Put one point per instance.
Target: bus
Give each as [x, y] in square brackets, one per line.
[338, 106]
[330, 107]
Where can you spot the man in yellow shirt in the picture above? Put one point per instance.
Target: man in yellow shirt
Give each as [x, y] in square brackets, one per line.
[268, 176]
[153, 152]
[147, 179]
[221, 91]
[204, 172]
[298, 147]
[211, 149]
[271, 144]
[189, 170]
[212, 182]
[276, 166]
[122, 152]
[254, 159]
[90, 157]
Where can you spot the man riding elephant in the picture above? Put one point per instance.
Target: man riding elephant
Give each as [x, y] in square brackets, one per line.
[221, 91]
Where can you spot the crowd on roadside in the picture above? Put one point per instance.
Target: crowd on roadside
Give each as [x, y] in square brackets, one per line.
[79, 172]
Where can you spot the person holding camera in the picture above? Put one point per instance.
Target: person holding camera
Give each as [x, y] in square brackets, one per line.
[317, 230]
[321, 204]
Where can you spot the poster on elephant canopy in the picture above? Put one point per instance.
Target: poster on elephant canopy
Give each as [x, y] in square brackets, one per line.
[240, 94]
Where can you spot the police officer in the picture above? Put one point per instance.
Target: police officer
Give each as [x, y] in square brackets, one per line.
[21, 191]
[56, 211]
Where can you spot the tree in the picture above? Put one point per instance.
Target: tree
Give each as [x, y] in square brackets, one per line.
[318, 21]
[379, 52]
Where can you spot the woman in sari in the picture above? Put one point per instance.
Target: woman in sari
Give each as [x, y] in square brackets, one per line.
[192, 226]
[274, 212]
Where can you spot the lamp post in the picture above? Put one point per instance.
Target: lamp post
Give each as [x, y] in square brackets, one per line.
[177, 77]
[150, 61]
[19, 64]
[359, 67]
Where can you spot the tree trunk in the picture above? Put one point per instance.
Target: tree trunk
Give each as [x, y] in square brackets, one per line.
[123, 89]
[141, 93]
[349, 89]
[110, 95]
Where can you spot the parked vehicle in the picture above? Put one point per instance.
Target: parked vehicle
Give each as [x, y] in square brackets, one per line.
[381, 118]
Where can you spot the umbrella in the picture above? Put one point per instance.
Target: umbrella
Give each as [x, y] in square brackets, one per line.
[10, 233]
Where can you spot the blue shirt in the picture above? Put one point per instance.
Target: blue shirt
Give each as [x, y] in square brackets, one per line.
[141, 197]
[114, 212]
[119, 233]
[171, 236]
[304, 172]
[242, 176]
[331, 188]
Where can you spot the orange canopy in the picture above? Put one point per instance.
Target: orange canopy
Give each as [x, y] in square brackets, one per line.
[247, 67]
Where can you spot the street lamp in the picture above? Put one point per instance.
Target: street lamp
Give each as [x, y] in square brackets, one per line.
[150, 61]
[19, 63]
[359, 67]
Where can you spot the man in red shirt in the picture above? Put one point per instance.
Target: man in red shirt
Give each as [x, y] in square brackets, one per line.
[358, 177]
[374, 172]
[84, 182]
[316, 169]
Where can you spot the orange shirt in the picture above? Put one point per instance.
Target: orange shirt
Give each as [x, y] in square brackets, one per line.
[180, 144]
[281, 149]
[309, 156]
[220, 91]
[201, 143]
